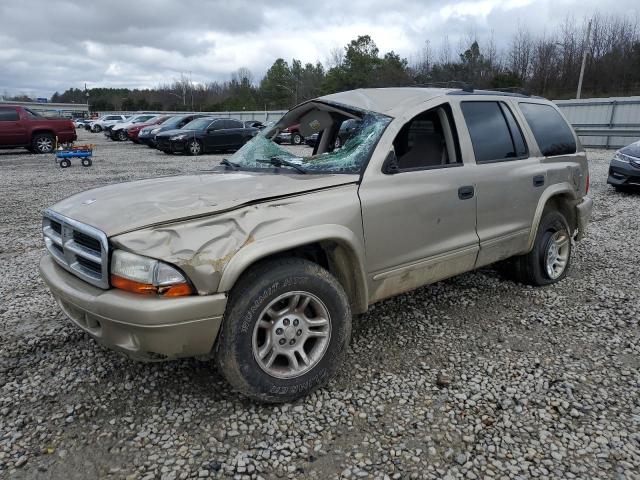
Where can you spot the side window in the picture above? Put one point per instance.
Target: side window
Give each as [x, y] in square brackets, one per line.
[8, 115]
[494, 132]
[234, 124]
[428, 140]
[552, 133]
[32, 115]
[216, 125]
[114, 117]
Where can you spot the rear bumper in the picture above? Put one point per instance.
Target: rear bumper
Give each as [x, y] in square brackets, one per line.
[583, 210]
[142, 327]
[622, 173]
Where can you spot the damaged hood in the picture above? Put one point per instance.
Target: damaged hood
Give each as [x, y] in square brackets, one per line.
[124, 207]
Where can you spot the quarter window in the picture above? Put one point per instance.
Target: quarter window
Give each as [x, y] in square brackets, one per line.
[552, 133]
[494, 132]
[8, 115]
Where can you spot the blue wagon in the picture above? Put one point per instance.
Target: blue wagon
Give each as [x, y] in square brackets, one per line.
[83, 152]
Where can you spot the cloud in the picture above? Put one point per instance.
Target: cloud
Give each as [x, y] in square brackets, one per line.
[143, 43]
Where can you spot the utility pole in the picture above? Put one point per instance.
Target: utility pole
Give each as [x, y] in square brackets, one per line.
[584, 60]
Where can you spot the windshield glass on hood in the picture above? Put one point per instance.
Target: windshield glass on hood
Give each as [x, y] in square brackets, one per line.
[264, 153]
[198, 124]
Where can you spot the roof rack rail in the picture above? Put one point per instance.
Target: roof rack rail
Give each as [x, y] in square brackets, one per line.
[464, 86]
[520, 90]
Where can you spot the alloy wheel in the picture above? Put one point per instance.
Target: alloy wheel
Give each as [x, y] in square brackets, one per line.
[291, 335]
[557, 254]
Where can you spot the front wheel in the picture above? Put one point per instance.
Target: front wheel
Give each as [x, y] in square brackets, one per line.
[194, 147]
[96, 129]
[296, 139]
[549, 260]
[122, 135]
[285, 332]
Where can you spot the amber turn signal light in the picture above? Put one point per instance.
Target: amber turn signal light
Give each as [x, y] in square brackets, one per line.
[177, 290]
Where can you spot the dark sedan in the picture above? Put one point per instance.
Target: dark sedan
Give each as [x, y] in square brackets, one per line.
[207, 134]
[624, 169]
[148, 134]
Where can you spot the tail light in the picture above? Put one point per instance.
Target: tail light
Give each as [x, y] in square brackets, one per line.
[588, 184]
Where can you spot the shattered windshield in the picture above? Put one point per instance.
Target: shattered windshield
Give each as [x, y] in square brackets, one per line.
[263, 153]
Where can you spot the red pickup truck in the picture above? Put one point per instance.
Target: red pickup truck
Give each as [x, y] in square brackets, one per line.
[22, 127]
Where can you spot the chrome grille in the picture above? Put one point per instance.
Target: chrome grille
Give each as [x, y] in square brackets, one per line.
[81, 249]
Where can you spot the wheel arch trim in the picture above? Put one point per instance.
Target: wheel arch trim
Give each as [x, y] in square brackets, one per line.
[556, 190]
[349, 258]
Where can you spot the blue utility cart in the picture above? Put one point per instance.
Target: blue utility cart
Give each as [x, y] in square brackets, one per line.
[83, 152]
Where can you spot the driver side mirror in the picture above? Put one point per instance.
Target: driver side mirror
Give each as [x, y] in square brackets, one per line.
[390, 165]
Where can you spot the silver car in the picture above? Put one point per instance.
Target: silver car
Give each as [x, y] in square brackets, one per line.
[262, 263]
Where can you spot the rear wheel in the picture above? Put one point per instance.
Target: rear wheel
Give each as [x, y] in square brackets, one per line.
[285, 332]
[549, 260]
[43, 143]
[122, 135]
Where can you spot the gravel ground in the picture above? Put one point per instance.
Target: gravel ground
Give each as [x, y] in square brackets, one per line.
[474, 377]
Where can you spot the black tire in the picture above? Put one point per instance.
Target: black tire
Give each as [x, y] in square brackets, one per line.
[86, 162]
[256, 289]
[43, 143]
[530, 268]
[65, 163]
[96, 129]
[296, 138]
[194, 147]
[122, 135]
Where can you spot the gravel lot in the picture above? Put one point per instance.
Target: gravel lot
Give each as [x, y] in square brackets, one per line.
[474, 377]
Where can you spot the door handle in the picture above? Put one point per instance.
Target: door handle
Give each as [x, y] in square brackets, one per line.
[466, 192]
[538, 180]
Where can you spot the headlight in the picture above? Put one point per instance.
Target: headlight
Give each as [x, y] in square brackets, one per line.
[621, 157]
[138, 274]
[154, 131]
[182, 136]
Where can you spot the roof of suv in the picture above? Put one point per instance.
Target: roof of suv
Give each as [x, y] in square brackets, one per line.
[394, 101]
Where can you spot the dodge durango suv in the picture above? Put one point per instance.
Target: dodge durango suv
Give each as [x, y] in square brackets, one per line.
[262, 262]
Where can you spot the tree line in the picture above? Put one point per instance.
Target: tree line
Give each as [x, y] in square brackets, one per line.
[546, 64]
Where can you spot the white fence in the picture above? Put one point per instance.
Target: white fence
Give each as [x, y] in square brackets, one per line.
[604, 122]
[260, 115]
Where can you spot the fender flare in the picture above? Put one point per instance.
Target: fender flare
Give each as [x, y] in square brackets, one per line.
[264, 247]
[563, 188]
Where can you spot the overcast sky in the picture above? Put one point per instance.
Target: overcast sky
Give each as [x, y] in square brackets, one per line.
[48, 45]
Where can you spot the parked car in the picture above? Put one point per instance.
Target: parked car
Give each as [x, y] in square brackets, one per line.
[80, 122]
[118, 131]
[263, 261]
[96, 126]
[23, 127]
[147, 134]
[624, 169]
[133, 131]
[347, 129]
[206, 134]
[290, 135]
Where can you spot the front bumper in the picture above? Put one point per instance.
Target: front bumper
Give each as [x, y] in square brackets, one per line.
[583, 210]
[142, 327]
[622, 173]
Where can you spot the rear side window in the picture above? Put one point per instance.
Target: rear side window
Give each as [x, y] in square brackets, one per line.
[233, 124]
[494, 132]
[552, 133]
[8, 115]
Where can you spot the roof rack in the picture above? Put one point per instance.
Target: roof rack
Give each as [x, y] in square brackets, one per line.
[520, 90]
[464, 86]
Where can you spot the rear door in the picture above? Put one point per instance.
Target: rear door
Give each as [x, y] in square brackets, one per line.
[233, 133]
[12, 131]
[509, 177]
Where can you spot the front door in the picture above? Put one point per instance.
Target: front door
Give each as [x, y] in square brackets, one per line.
[419, 218]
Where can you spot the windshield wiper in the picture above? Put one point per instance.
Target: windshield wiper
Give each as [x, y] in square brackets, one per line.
[279, 162]
[230, 164]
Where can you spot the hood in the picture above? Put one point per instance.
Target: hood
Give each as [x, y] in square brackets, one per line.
[124, 207]
[632, 150]
[175, 131]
